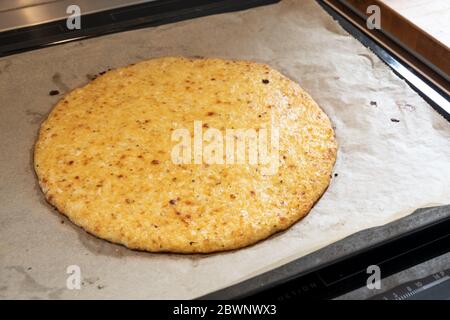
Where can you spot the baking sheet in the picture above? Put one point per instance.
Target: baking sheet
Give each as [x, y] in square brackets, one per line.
[385, 169]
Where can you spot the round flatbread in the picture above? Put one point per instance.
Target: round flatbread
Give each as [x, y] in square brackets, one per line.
[134, 156]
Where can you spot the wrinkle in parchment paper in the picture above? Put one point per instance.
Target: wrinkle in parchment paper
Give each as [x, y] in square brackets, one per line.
[394, 149]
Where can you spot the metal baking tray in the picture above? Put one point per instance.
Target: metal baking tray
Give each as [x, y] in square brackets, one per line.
[332, 270]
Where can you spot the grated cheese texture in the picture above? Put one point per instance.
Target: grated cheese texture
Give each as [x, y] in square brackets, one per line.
[103, 156]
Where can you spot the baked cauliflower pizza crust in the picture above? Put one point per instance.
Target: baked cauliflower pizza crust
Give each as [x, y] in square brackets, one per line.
[103, 157]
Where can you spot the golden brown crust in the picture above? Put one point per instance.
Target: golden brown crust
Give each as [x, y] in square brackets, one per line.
[103, 157]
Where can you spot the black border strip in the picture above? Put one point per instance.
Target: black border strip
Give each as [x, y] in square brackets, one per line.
[117, 20]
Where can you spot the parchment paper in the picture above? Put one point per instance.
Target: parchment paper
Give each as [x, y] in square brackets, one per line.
[385, 169]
